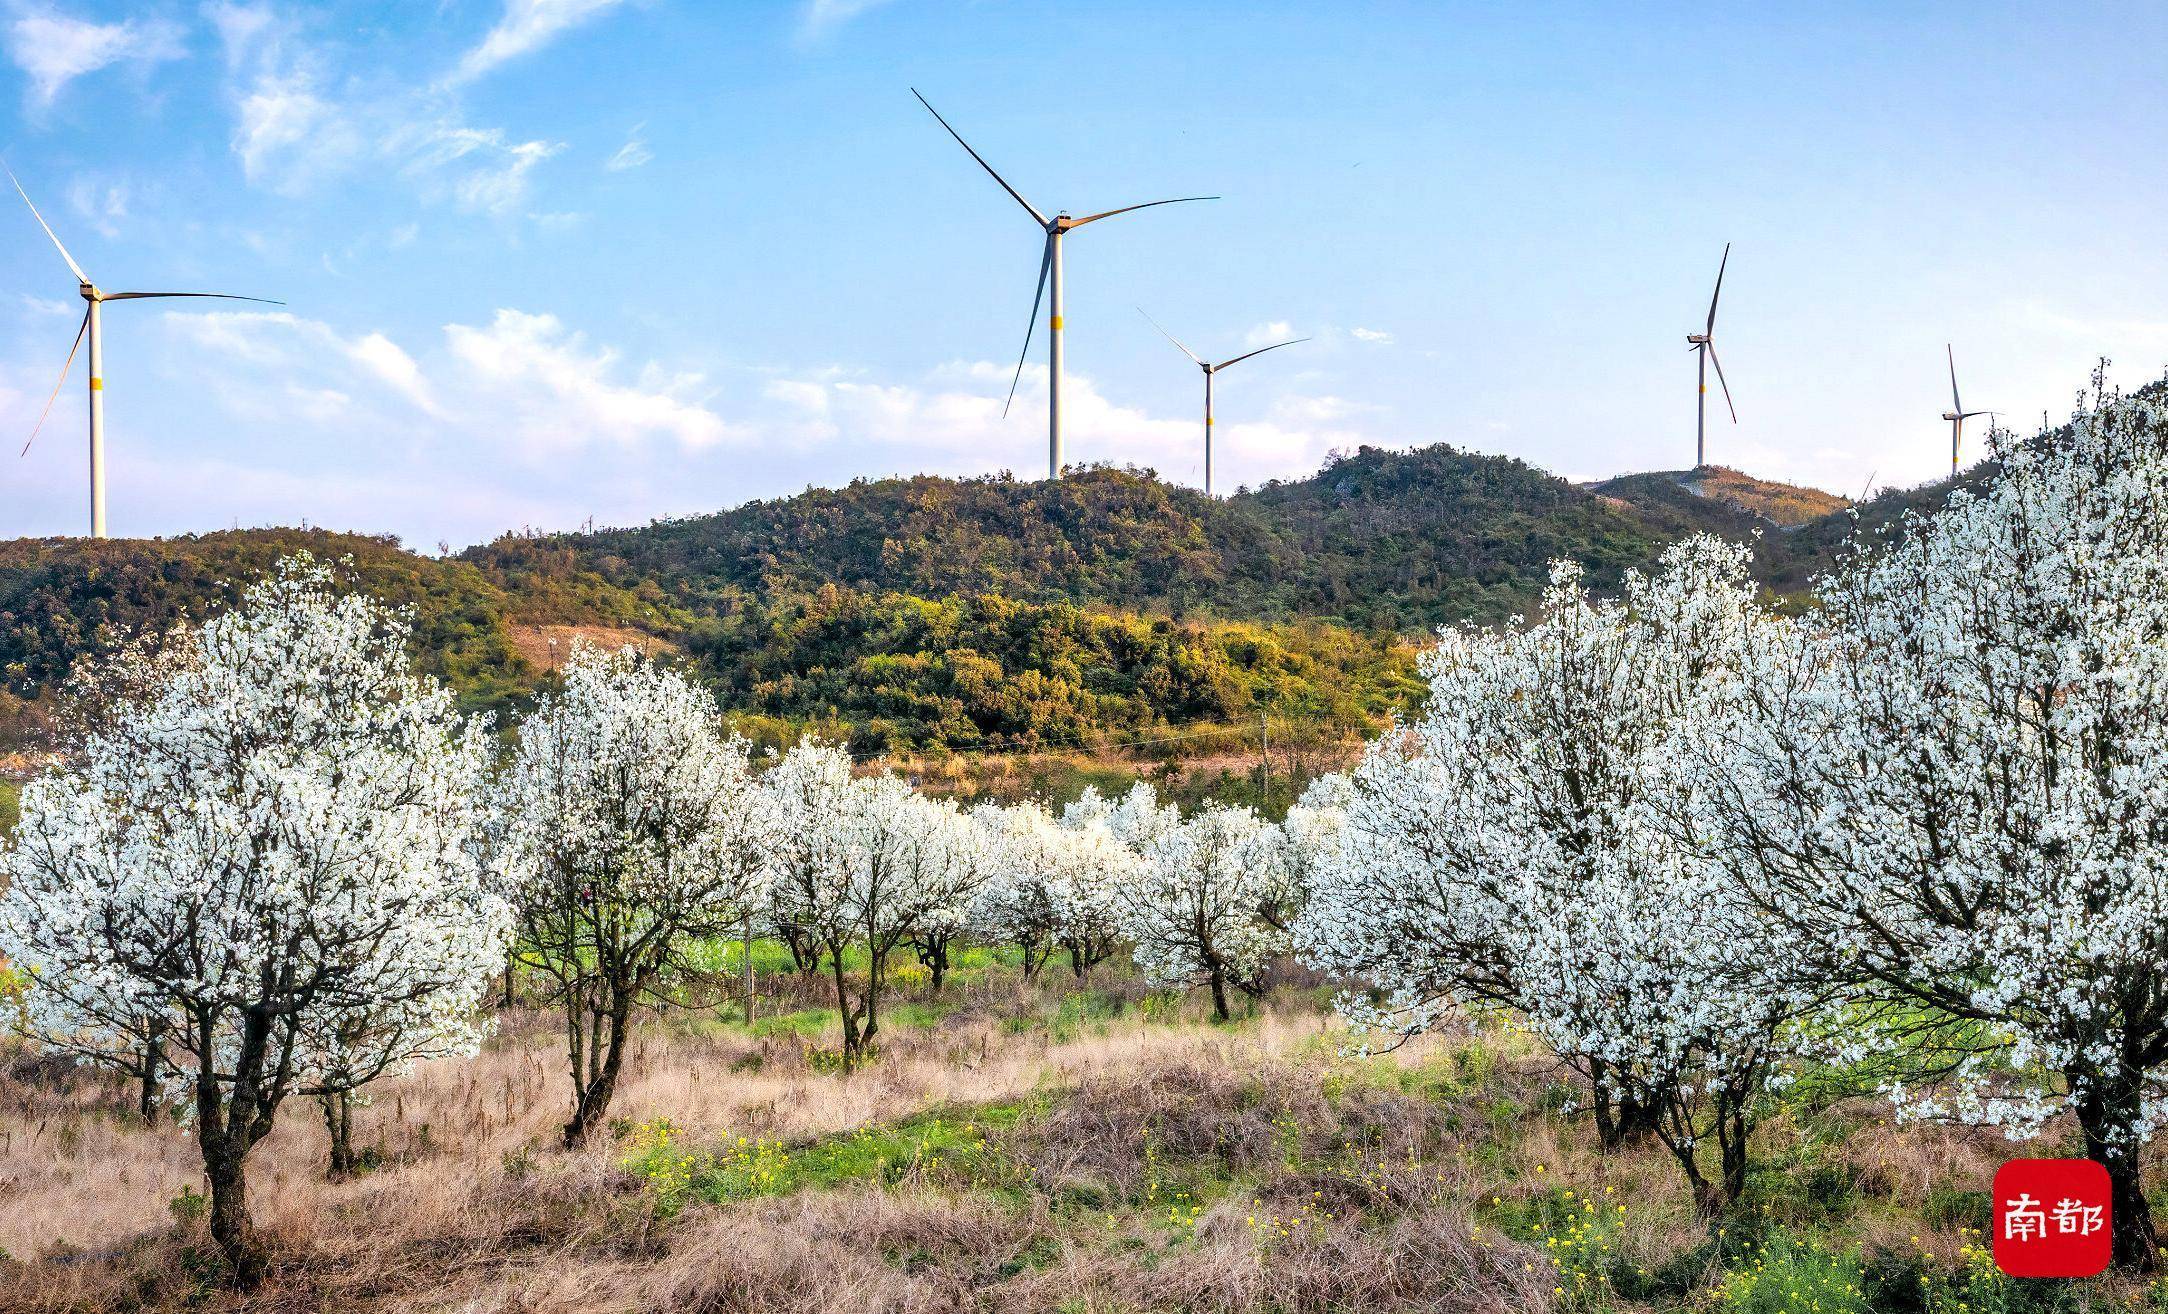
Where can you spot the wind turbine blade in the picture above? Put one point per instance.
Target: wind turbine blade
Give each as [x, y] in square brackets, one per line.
[1169, 336]
[1722, 384]
[1710, 327]
[1109, 214]
[981, 159]
[222, 296]
[59, 383]
[1955, 404]
[1259, 352]
[80, 276]
[1046, 263]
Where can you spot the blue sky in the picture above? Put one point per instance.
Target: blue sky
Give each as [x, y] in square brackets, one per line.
[549, 260]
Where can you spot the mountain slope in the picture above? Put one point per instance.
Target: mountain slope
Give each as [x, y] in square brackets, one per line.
[1385, 540]
[973, 614]
[1694, 493]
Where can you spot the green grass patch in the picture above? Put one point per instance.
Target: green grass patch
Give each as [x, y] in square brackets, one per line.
[955, 1147]
[1078, 1013]
[1786, 1275]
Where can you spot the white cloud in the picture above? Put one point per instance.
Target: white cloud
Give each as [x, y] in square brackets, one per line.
[288, 135]
[1378, 336]
[527, 25]
[55, 50]
[489, 171]
[541, 422]
[388, 361]
[298, 124]
[289, 130]
[524, 379]
[819, 19]
[104, 205]
[567, 392]
[48, 306]
[632, 154]
[239, 27]
[1264, 335]
[1324, 409]
[951, 422]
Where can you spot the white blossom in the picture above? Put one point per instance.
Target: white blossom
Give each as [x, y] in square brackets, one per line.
[635, 829]
[264, 849]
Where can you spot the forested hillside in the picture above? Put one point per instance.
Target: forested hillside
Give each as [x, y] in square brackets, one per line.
[1383, 540]
[990, 613]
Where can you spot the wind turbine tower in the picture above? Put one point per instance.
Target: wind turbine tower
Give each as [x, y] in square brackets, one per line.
[92, 330]
[1209, 371]
[1049, 289]
[1957, 414]
[1704, 343]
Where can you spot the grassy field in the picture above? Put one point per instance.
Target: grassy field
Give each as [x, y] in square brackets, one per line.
[1033, 1147]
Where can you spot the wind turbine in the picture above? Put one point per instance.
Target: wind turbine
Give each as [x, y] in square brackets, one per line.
[1704, 342]
[1209, 370]
[1049, 274]
[92, 329]
[1957, 414]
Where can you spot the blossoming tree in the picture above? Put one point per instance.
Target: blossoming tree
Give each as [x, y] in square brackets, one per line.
[1507, 849]
[1196, 910]
[863, 863]
[636, 830]
[265, 849]
[1020, 902]
[1959, 800]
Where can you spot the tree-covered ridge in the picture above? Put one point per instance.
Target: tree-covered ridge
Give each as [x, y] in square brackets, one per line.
[887, 671]
[982, 671]
[1384, 540]
[1113, 536]
[64, 600]
[989, 613]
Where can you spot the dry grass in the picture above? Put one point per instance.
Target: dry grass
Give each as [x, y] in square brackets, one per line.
[547, 647]
[82, 1175]
[1169, 1165]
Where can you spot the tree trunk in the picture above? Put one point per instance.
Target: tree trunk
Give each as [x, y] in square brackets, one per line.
[746, 939]
[224, 1167]
[1712, 1199]
[933, 953]
[805, 952]
[876, 963]
[231, 1225]
[154, 1062]
[601, 1084]
[1622, 1119]
[1731, 1133]
[2107, 1111]
[851, 1040]
[1219, 993]
[339, 1126]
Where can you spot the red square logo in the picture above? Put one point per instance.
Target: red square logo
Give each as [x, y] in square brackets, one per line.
[2051, 1218]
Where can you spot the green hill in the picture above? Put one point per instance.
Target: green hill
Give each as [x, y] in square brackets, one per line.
[1378, 540]
[989, 613]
